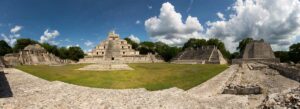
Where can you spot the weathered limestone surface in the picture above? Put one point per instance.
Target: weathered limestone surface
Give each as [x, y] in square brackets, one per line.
[116, 49]
[287, 71]
[202, 55]
[32, 55]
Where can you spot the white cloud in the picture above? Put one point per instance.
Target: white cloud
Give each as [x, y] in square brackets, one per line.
[68, 46]
[12, 38]
[169, 28]
[134, 38]
[190, 6]
[221, 16]
[88, 43]
[49, 36]
[275, 21]
[137, 22]
[16, 29]
[149, 7]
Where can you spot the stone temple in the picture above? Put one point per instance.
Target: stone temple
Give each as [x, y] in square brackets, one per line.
[257, 51]
[116, 50]
[201, 55]
[33, 55]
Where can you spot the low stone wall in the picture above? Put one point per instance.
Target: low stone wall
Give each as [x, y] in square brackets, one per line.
[290, 72]
[242, 90]
[253, 60]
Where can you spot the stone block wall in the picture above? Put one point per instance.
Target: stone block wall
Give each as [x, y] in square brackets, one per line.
[289, 72]
[242, 90]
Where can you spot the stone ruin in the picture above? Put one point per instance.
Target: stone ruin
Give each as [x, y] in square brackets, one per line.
[33, 55]
[257, 51]
[201, 55]
[289, 99]
[242, 89]
[116, 49]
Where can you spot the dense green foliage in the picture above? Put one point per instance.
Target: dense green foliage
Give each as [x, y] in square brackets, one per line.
[165, 51]
[132, 43]
[75, 53]
[22, 43]
[4, 48]
[195, 43]
[283, 55]
[294, 52]
[243, 43]
[150, 76]
[146, 47]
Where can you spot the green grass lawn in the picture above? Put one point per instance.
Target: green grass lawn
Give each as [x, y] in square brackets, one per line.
[150, 76]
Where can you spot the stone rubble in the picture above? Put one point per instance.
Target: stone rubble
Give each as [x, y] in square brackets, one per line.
[289, 100]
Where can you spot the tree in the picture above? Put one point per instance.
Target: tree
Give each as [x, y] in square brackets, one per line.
[294, 53]
[165, 51]
[195, 43]
[75, 53]
[51, 49]
[282, 55]
[4, 48]
[132, 43]
[243, 43]
[146, 47]
[235, 55]
[22, 43]
[63, 53]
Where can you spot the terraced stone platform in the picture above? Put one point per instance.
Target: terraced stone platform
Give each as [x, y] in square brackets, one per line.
[30, 92]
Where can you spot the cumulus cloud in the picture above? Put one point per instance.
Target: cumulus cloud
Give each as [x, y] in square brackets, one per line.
[10, 39]
[134, 38]
[276, 21]
[221, 16]
[13, 36]
[169, 28]
[88, 43]
[137, 22]
[16, 29]
[149, 7]
[49, 36]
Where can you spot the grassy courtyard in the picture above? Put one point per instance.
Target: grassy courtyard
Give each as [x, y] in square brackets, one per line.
[149, 76]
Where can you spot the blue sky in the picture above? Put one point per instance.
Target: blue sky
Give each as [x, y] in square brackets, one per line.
[82, 21]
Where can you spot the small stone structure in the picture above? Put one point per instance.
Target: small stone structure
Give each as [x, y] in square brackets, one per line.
[116, 49]
[106, 67]
[257, 51]
[201, 55]
[33, 55]
[242, 89]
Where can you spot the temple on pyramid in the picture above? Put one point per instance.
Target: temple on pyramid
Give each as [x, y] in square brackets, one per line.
[118, 50]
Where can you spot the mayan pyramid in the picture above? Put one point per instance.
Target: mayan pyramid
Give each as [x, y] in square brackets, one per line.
[202, 55]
